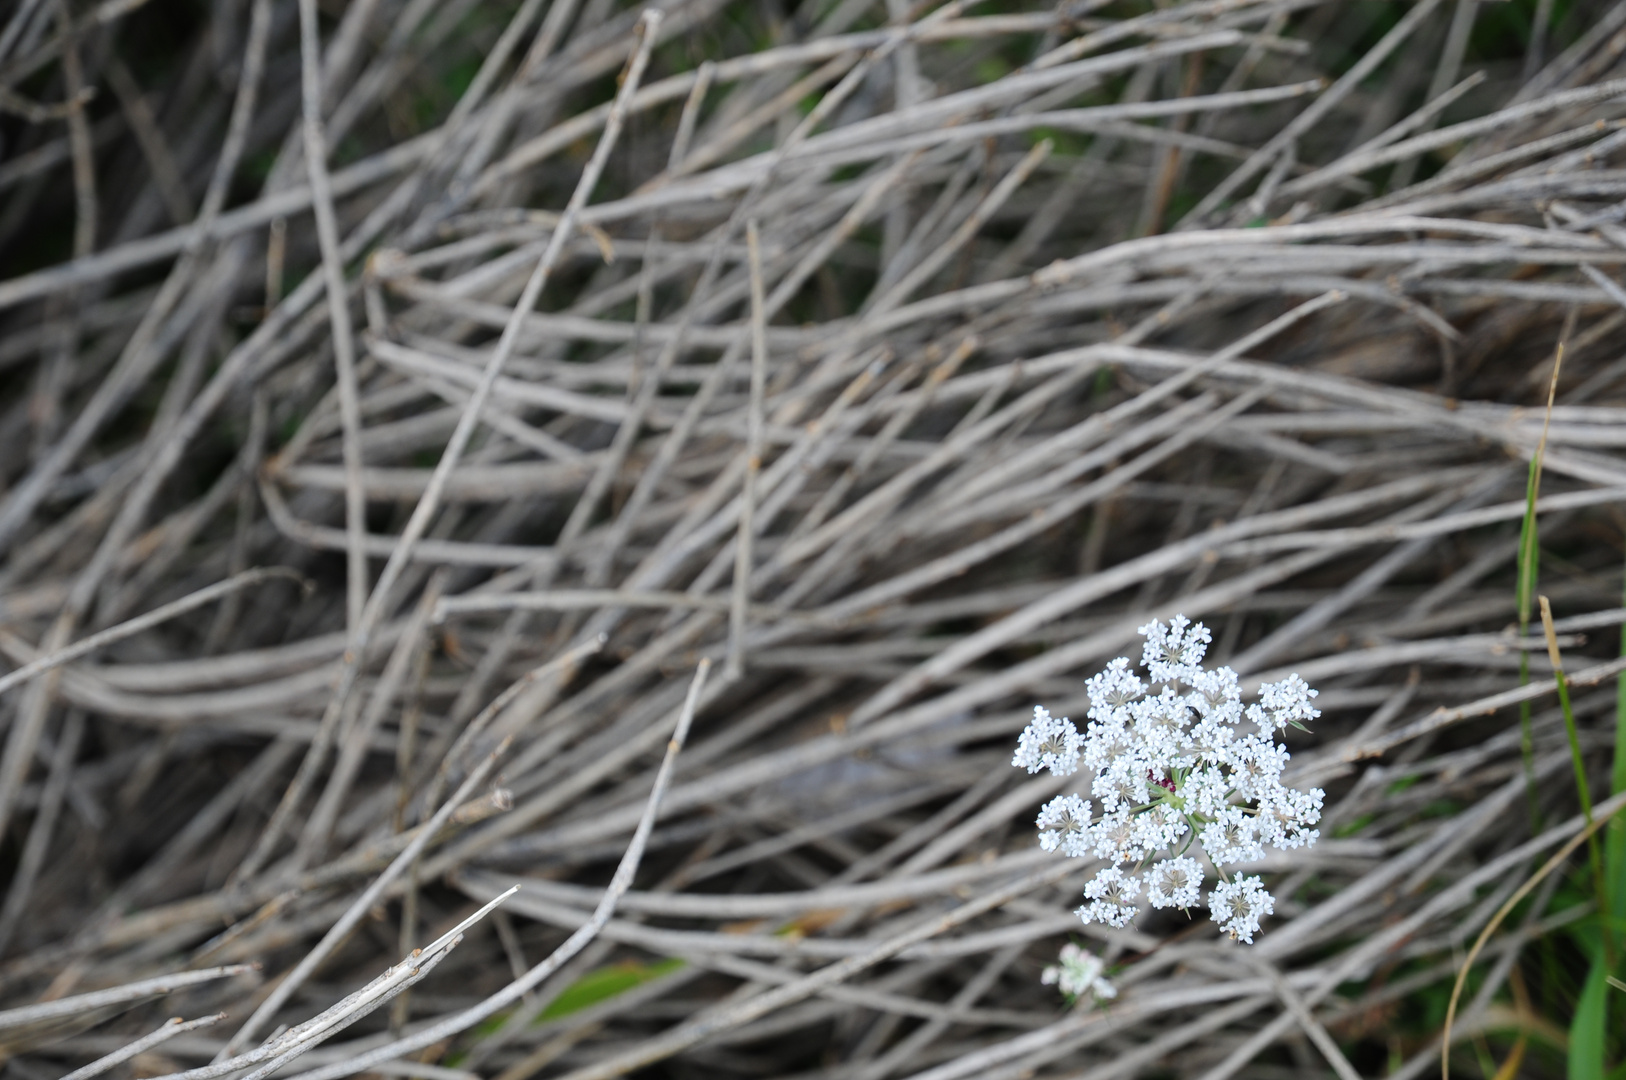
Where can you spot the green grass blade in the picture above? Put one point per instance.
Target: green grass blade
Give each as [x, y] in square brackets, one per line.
[1615, 838]
[1590, 1030]
[1529, 557]
[604, 984]
[1529, 560]
[1614, 863]
[1600, 881]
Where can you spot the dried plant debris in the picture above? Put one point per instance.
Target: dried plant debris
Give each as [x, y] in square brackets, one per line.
[404, 404]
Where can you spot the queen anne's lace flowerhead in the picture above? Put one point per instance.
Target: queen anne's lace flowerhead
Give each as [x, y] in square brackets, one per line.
[1078, 972]
[1172, 768]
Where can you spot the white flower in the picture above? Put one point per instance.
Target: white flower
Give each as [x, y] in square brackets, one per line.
[1112, 897]
[1285, 817]
[1048, 743]
[1174, 882]
[1175, 651]
[1158, 829]
[1113, 688]
[1078, 972]
[1063, 823]
[1217, 694]
[1207, 790]
[1108, 740]
[1232, 837]
[1283, 703]
[1239, 905]
[1257, 762]
[1166, 764]
[1112, 837]
[1211, 739]
[1122, 784]
[1160, 725]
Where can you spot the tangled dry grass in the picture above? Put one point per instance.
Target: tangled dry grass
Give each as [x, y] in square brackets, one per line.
[371, 517]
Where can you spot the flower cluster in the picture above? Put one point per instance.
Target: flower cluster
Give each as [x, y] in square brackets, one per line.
[1170, 764]
[1076, 973]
